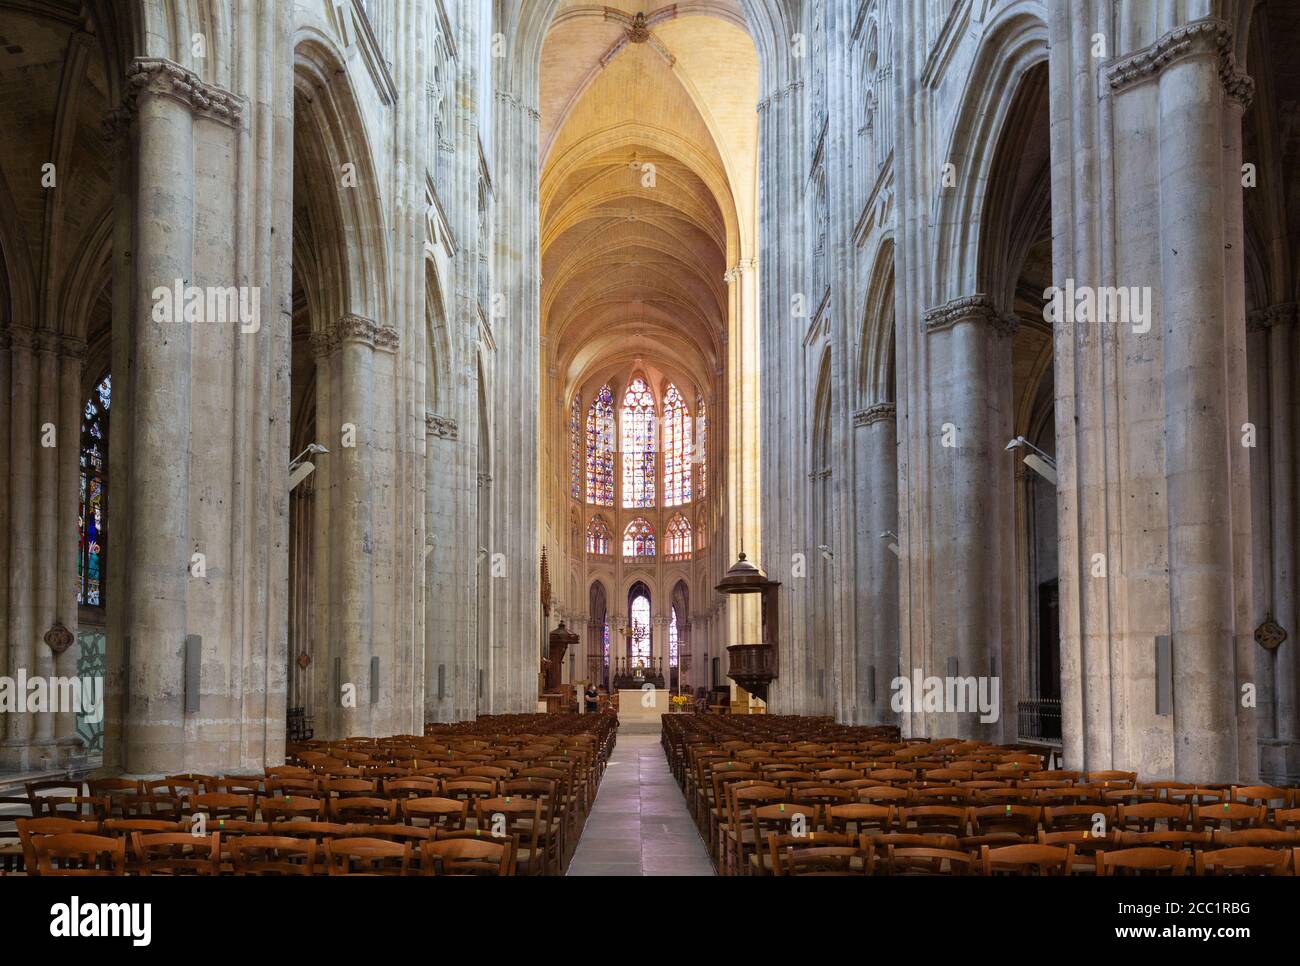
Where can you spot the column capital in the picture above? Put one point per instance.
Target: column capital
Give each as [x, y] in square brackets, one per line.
[970, 308]
[875, 414]
[46, 340]
[165, 78]
[1208, 36]
[443, 427]
[506, 97]
[1258, 320]
[73, 348]
[357, 329]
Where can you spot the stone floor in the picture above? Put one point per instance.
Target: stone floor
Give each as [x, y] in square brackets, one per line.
[639, 824]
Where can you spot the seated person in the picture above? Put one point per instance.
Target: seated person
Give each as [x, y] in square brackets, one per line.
[593, 698]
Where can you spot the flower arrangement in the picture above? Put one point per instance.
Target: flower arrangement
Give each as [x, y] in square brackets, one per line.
[680, 701]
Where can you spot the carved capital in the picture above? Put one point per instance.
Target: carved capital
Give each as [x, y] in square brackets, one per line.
[875, 414]
[444, 427]
[969, 308]
[1199, 38]
[156, 76]
[1259, 320]
[72, 348]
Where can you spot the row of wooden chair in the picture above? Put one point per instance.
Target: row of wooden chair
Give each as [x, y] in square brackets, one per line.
[181, 853]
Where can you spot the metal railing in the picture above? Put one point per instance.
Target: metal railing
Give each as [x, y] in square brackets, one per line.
[1040, 720]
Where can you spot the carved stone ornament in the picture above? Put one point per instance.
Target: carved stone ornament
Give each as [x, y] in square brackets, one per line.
[1270, 634]
[58, 638]
[304, 659]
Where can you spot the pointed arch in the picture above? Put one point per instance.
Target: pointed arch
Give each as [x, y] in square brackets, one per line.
[600, 448]
[638, 539]
[600, 540]
[638, 444]
[678, 538]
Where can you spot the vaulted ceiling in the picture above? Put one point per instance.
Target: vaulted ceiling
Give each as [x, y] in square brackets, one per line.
[649, 152]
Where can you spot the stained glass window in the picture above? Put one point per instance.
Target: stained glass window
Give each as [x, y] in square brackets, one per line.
[606, 635]
[700, 456]
[598, 537]
[639, 539]
[94, 476]
[638, 445]
[575, 448]
[672, 639]
[677, 449]
[640, 631]
[679, 537]
[600, 449]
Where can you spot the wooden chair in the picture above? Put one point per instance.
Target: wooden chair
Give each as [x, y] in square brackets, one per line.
[1146, 816]
[176, 853]
[400, 788]
[75, 854]
[273, 854]
[926, 861]
[369, 856]
[12, 808]
[218, 805]
[363, 810]
[519, 818]
[859, 817]
[437, 813]
[1143, 861]
[1061, 818]
[467, 856]
[152, 805]
[1272, 838]
[1243, 860]
[1019, 819]
[1228, 815]
[826, 861]
[291, 807]
[950, 819]
[771, 859]
[1179, 839]
[1027, 860]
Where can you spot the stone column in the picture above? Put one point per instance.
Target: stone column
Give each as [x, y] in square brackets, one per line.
[6, 567]
[876, 511]
[1282, 456]
[158, 494]
[966, 333]
[72, 355]
[1194, 123]
[45, 455]
[22, 534]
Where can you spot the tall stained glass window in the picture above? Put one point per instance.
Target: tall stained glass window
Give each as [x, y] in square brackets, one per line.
[640, 631]
[606, 636]
[638, 445]
[600, 449]
[672, 639]
[94, 476]
[700, 456]
[639, 539]
[679, 537]
[598, 537]
[677, 449]
[575, 448]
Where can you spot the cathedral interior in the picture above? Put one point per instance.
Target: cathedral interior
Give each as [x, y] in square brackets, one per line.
[898, 386]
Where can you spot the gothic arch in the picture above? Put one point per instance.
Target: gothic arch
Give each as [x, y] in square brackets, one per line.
[875, 377]
[347, 223]
[1014, 42]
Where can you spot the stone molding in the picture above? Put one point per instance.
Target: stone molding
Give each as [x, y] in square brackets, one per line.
[970, 308]
[514, 101]
[1259, 320]
[165, 78]
[15, 336]
[443, 427]
[878, 413]
[354, 328]
[1200, 37]
[789, 90]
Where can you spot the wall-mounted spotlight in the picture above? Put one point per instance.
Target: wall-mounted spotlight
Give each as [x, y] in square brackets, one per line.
[299, 470]
[892, 537]
[1038, 461]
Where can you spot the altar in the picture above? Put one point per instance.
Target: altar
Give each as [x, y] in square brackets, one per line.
[643, 706]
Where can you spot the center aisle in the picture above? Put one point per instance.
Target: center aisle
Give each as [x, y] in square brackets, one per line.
[639, 824]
